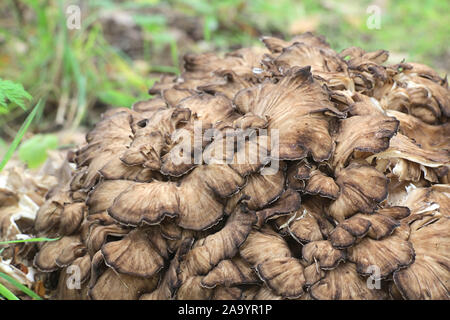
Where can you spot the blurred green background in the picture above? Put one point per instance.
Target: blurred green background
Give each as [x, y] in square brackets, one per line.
[122, 47]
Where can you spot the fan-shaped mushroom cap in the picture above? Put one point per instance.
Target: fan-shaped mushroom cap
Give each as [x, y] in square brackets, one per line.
[309, 222]
[103, 195]
[46, 259]
[298, 174]
[427, 202]
[149, 141]
[117, 170]
[362, 187]
[70, 253]
[71, 218]
[260, 190]
[133, 255]
[241, 61]
[113, 286]
[388, 255]
[269, 253]
[403, 147]
[421, 70]
[191, 289]
[171, 279]
[284, 276]
[49, 214]
[375, 226]
[288, 202]
[301, 54]
[82, 267]
[321, 184]
[264, 245]
[96, 235]
[346, 233]
[344, 283]
[301, 124]
[230, 273]
[428, 276]
[427, 136]
[276, 45]
[323, 253]
[110, 137]
[373, 134]
[226, 82]
[224, 244]
[326, 65]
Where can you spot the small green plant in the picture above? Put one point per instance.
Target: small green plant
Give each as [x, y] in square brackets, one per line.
[12, 94]
[34, 150]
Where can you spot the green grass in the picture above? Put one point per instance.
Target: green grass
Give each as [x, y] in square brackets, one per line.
[19, 286]
[23, 129]
[29, 240]
[5, 293]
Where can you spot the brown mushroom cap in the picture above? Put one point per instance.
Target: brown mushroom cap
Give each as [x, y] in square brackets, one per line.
[388, 254]
[46, 259]
[230, 273]
[375, 226]
[323, 253]
[191, 289]
[283, 275]
[263, 245]
[288, 202]
[362, 187]
[372, 135]
[113, 286]
[209, 251]
[344, 283]
[82, 266]
[321, 184]
[259, 190]
[301, 124]
[49, 214]
[276, 45]
[428, 277]
[403, 147]
[133, 255]
[310, 222]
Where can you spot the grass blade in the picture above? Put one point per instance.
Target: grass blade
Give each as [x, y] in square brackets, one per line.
[20, 286]
[7, 294]
[29, 240]
[23, 129]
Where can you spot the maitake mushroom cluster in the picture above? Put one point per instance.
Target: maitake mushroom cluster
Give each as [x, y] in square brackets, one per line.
[359, 207]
